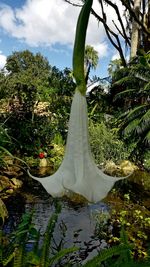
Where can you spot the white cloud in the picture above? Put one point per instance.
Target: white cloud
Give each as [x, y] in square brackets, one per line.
[101, 48]
[40, 22]
[115, 56]
[45, 22]
[2, 60]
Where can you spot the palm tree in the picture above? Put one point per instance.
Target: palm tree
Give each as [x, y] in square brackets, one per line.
[135, 120]
[90, 60]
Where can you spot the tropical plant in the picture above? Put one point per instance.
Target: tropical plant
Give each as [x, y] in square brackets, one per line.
[117, 256]
[90, 60]
[134, 89]
[105, 144]
[16, 253]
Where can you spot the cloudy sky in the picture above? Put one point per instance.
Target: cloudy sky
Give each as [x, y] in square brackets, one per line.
[48, 26]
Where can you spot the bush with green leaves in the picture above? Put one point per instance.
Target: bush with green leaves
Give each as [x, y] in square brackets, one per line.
[105, 143]
[146, 161]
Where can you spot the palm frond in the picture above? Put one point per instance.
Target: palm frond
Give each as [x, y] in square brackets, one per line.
[142, 77]
[144, 123]
[128, 80]
[137, 112]
[147, 139]
[146, 117]
[125, 93]
[147, 87]
[131, 127]
[140, 72]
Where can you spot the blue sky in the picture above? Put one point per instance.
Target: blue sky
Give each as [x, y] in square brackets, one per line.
[48, 26]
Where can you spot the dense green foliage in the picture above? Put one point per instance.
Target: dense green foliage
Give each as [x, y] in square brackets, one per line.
[36, 101]
[105, 144]
[130, 92]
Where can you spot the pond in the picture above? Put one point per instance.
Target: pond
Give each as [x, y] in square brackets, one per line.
[78, 219]
[76, 223]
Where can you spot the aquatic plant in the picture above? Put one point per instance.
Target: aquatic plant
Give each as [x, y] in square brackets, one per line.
[78, 171]
[16, 253]
[117, 256]
[24, 248]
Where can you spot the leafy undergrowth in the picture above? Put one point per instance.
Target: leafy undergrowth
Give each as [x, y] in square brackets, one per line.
[133, 217]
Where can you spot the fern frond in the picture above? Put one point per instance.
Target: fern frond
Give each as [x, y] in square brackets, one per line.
[124, 236]
[18, 257]
[106, 254]
[8, 259]
[48, 235]
[59, 255]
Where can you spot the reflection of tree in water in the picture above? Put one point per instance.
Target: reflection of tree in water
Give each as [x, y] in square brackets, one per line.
[16, 208]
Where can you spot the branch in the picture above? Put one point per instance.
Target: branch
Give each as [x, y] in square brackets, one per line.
[109, 32]
[126, 39]
[71, 3]
[124, 35]
[132, 14]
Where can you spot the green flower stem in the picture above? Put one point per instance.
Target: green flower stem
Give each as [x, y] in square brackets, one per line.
[79, 47]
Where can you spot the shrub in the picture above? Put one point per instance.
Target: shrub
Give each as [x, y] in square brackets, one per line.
[105, 144]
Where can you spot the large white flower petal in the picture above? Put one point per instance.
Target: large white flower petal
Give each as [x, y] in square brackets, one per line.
[78, 172]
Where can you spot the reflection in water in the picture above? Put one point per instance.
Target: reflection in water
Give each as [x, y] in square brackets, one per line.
[75, 224]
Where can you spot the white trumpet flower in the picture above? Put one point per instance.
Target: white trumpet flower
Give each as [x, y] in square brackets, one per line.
[78, 172]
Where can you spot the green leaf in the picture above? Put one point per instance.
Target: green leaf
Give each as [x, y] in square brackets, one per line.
[147, 87]
[136, 112]
[131, 127]
[144, 123]
[106, 254]
[147, 139]
[59, 255]
[33, 231]
[125, 93]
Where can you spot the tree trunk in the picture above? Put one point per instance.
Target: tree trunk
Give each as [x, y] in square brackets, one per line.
[135, 30]
[147, 22]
